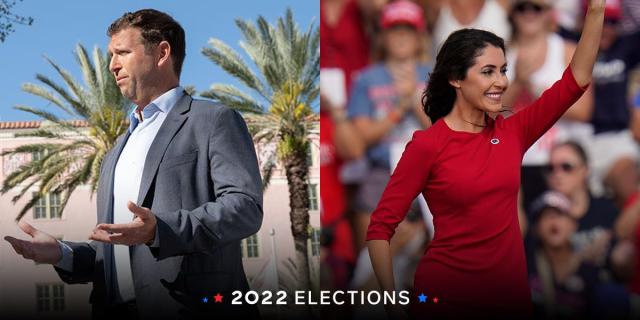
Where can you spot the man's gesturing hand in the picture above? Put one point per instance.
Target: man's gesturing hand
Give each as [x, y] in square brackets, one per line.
[141, 230]
[41, 248]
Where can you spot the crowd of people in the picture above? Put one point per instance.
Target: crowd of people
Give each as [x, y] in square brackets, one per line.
[579, 201]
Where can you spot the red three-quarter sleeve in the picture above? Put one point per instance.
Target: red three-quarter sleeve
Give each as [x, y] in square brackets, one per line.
[534, 120]
[407, 182]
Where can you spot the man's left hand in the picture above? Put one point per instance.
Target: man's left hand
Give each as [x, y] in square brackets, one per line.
[141, 230]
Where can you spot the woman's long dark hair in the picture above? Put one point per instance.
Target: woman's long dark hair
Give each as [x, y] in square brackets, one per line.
[456, 56]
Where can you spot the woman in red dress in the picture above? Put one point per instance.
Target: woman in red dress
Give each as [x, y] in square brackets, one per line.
[467, 165]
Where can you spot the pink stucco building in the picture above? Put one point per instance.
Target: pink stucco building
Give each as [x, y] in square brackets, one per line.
[36, 291]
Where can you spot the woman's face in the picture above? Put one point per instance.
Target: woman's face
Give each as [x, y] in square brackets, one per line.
[530, 18]
[485, 81]
[401, 42]
[555, 229]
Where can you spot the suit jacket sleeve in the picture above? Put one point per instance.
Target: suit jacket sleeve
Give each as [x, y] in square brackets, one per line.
[84, 257]
[236, 211]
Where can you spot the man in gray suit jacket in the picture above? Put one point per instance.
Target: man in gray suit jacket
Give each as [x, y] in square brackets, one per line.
[176, 195]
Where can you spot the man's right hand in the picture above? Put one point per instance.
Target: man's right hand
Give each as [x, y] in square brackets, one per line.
[41, 248]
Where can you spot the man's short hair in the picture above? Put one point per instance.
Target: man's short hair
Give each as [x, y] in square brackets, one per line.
[155, 27]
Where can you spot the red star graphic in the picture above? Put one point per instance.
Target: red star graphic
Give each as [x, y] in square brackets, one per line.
[218, 298]
[435, 300]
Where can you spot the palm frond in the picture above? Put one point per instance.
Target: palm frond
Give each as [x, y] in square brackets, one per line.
[78, 91]
[47, 95]
[28, 206]
[73, 102]
[231, 62]
[267, 170]
[231, 96]
[42, 133]
[88, 70]
[74, 159]
[47, 116]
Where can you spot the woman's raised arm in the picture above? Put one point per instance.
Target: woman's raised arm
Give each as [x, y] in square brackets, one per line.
[587, 49]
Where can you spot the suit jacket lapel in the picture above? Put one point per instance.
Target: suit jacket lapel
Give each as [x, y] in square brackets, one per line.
[169, 128]
[110, 161]
[106, 214]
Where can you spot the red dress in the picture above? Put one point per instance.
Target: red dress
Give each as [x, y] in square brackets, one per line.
[475, 265]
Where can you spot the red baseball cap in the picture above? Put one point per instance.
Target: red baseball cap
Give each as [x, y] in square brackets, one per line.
[402, 12]
[612, 9]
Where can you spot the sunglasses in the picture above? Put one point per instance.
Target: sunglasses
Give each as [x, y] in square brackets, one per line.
[565, 167]
[523, 7]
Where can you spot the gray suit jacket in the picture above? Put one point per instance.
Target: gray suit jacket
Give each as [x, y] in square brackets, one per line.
[201, 180]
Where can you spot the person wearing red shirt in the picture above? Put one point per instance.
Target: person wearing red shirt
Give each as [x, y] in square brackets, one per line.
[344, 41]
[345, 48]
[467, 165]
[338, 143]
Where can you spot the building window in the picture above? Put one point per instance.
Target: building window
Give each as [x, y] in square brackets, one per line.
[48, 206]
[40, 208]
[315, 242]
[310, 154]
[37, 155]
[54, 205]
[313, 196]
[50, 297]
[250, 247]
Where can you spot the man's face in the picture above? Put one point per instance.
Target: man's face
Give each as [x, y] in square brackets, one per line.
[131, 65]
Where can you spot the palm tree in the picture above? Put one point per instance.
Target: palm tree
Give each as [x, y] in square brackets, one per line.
[77, 156]
[288, 62]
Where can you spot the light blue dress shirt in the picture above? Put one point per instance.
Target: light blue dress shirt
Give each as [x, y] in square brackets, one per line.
[127, 179]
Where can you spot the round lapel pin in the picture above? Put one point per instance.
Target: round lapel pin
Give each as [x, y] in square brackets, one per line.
[495, 141]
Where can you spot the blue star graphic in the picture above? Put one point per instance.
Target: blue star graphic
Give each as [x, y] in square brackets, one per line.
[422, 298]
[205, 300]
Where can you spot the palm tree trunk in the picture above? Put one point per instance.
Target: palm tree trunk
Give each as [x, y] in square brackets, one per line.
[297, 169]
